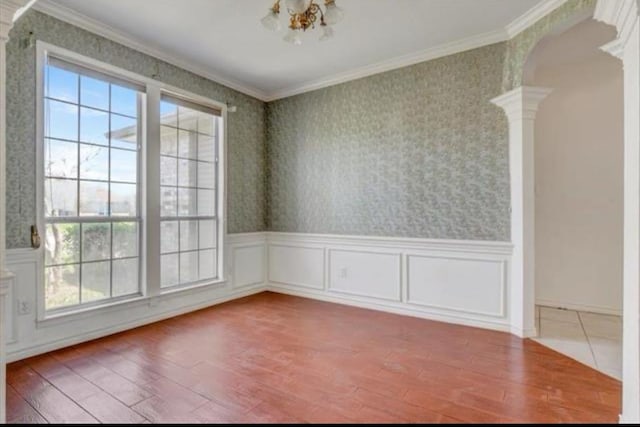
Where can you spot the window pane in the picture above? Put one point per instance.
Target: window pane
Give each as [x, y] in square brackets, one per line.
[206, 148]
[123, 200]
[188, 235]
[169, 270]
[60, 197]
[125, 239]
[94, 162]
[62, 244]
[62, 286]
[187, 144]
[124, 165]
[124, 132]
[169, 236]
[94, 198]
[187, 173]
[96, 281]
[207, 264]
[168, 114]
[61, 84]
[187, 118]
[91, 169]
[124, 101]
[94, 93]
[206, 202]
[168, 170]
[206, 175]
[96, 242]
[94, 126]
[208, 233]
[188, 267]
[169, 141]
[186, 202]
[61, 120]
[168, 201]
[125, 277]
[60, 158]
[206, 123]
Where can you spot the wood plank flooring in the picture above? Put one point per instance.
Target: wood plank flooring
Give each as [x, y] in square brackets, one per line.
[277, 358]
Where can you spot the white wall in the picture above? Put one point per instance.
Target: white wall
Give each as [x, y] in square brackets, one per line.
[579, 182]
[27, 336]
[456, 281]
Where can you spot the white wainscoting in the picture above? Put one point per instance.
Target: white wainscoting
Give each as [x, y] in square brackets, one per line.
[300, 265]
[247, 275]
[464, 282]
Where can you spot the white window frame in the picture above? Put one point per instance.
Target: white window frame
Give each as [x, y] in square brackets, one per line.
[149, 183]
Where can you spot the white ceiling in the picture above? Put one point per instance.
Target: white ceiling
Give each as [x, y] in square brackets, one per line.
[225, 40]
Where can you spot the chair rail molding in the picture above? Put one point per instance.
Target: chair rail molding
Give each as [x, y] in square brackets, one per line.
[10, 10]
[520, 106]
[624, 15]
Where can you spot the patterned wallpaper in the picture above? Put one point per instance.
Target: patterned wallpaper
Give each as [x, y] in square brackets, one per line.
[415, 152]
[246, 128]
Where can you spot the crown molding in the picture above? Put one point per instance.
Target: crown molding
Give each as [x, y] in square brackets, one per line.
[532, 16]
[82, 21]
[515, 27]
[395, 63]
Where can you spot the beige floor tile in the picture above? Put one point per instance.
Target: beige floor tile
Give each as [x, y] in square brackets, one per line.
[602, 325]
[566, 338]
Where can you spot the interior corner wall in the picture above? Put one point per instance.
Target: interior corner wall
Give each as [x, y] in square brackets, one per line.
[579, 186]
[246, 128]
[414, 152]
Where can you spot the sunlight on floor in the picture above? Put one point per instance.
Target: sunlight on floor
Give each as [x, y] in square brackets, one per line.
[592, 339]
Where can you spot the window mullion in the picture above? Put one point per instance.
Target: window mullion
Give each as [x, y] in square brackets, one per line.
[151, 187]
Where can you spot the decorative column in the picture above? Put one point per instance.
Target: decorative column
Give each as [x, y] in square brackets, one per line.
[521, 105]
[624, 15]
[10, 10]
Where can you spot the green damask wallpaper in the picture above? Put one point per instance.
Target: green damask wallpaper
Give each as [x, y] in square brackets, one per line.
[414, 152]
[246, 128]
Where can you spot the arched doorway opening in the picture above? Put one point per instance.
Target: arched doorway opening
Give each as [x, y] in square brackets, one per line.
[578, 157]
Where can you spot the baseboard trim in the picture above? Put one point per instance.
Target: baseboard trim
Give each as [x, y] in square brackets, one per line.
[388, 307]
[579, 307]
[524, 333]
[77, 339]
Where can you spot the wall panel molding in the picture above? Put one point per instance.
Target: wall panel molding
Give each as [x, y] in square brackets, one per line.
[246, 254]
[463, 282]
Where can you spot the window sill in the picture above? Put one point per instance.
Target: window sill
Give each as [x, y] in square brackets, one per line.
[198, 285]
[133, 302]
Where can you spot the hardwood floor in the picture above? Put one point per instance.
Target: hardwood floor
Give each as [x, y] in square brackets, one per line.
[277, 358]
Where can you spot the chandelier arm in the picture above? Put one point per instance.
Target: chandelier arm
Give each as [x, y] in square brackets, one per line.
[276, 7]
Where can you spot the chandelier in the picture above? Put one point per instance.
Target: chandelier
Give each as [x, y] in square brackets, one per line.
[304, 14]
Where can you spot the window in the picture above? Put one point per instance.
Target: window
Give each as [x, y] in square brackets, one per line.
[95, 203]
[187, 192]
[91, 186]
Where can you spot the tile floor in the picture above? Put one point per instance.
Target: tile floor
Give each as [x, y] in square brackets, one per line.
[593, 339]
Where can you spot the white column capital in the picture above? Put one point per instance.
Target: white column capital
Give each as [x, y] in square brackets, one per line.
[522, 102]
[10, 10]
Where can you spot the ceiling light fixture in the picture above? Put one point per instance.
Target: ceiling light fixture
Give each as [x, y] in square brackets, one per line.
[304, 14]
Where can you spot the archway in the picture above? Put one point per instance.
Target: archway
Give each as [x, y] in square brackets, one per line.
[578, 195]
[520, 105]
